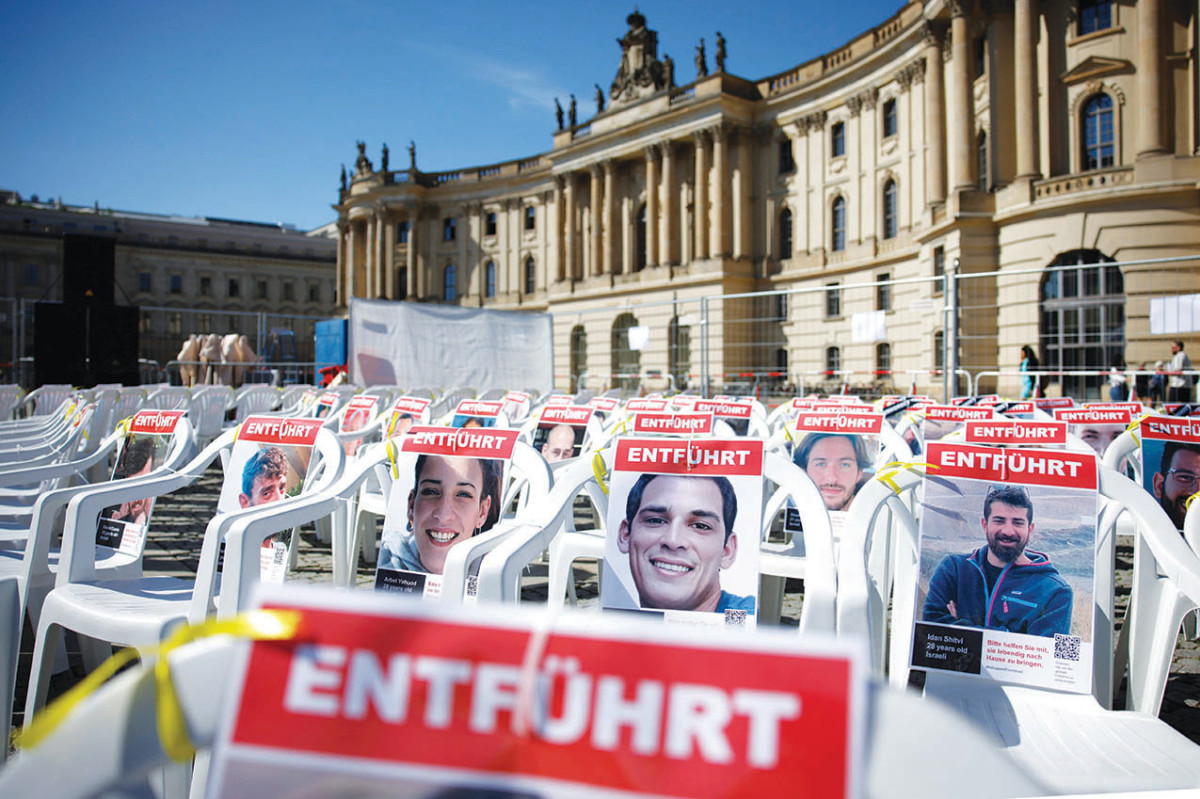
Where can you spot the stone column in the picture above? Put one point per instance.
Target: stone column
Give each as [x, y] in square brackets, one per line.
[719, 240]
[652, 215]
[370, 251]
[342, 260]
[743, 236]
[798, 136]
[594, 255]
[410, 255]
[380, 259]
[610, 216]
[935, 117]
[960, 119]
[1025, 89]
[1149, 79]
[700, 218]
[389, 256]
[669, 241]
[351, 262]
[572, 251]
[559, 229]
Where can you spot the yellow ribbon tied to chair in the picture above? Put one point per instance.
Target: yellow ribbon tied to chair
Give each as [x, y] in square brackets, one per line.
[257, 625]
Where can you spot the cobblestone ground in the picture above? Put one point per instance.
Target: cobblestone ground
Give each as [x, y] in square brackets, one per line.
[179, 520]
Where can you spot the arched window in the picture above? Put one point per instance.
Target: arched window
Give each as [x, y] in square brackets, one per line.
[833, 361]
[449, 284]
[785, 233]
[530, 275]
[680, 352]
[1081, 325]
[883, 361]
[489, 278]
[983, 161]
[578, 355]
[626, 361]
[641, 238]
[890, 209]
[838, 226]
[1097, 135]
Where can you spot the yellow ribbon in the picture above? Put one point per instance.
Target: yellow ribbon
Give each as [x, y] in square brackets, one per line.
[257, 625]
[892, 469]
[391, 453]
[1136, 425]
[599, 470]
[1187, 503]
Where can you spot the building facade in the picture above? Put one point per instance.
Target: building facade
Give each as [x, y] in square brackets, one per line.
[1004, 141]
[188, 275]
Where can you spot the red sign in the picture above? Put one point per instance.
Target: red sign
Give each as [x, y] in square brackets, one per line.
[1006, 431]
[727, 410]
[408, 695]
[480, 408]
[709, 456]
[956, 413]
[1050, 403]
[574, 415]
[1171, 428]
[280, 430]
[1026, 466]
[674, 423]
[478, 442]
[559, 399]
[517, 397]
[1094, 415]
[156, 422]
[604, 404]
[853, 424]
[1134, 408]
[1173, 408]
[362, 401]
[414, 406]
[648, 405]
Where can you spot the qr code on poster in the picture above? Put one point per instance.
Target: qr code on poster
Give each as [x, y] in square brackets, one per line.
[1066, 647]
[473, 585]
[279, 555]
[735, 618]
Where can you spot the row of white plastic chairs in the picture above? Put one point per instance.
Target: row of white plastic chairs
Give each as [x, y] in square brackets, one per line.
[506, 550]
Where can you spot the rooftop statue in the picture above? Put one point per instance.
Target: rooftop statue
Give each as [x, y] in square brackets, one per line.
[641, 74]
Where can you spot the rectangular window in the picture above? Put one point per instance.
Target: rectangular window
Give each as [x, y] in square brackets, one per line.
[289, 292]
[176, 284]
[235, 289]
[206, 287]
[1094, 15]
[939, 262]
[448, 228]
[883, 292]
[314, 292]
[204, 321]
[980, 56]
[31, 274]
[787, 159]
[260, 290]
[530, 217]
[489, 224]
[833, 300]
[402, 233]
[837, 139]
[144, 282]
[890, 124]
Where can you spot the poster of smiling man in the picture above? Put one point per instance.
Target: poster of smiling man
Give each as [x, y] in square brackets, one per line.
[1171, 462]
[684, 520]
[448, 491]
[837, 452]
[1007, 564]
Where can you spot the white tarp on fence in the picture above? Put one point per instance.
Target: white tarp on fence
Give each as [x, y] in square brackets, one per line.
[413, 345]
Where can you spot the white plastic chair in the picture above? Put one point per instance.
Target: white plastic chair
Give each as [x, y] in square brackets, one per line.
[207, 409]
[44, 400]
[1068, 742]
[253, 399]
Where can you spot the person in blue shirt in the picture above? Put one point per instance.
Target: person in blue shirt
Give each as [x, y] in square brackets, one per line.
[678, 534]
[1002, 585]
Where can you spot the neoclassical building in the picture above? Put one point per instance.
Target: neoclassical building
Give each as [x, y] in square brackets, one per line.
[802, 223]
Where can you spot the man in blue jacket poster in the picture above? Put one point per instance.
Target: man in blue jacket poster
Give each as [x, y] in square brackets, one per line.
[1002, 585]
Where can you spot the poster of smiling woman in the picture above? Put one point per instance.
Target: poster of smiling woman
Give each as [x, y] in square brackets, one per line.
[684, 520]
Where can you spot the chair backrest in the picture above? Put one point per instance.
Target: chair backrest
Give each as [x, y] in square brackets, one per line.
[254, 398]
[207, 409]
[168, 398]
[43, 400]
[10, 398]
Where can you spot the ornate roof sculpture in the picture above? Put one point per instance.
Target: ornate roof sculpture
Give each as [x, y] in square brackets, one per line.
[641, 73]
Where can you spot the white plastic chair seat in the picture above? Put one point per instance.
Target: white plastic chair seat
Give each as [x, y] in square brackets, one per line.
[132, 612]
[1070, 741]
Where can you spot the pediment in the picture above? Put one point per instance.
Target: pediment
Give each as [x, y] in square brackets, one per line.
[1094, 67]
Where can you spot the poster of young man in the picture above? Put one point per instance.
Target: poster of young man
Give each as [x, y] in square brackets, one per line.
[269, 463]
[406, 412]
[560, 432]
[516, 405]
[144, 448]
[478, 413]
[326, 403]
[359, 411]
[1171, 462]
[448, 491]
[837, 452]
[684, 521]
[1097, 426]
[1007, 573]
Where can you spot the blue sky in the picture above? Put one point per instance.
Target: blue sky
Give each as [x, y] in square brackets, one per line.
[248, 109]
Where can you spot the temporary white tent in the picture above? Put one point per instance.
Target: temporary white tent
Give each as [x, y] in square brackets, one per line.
[411, 344]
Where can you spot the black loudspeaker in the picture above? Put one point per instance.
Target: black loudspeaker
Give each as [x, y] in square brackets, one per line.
[89, 269]
[84, 345]
[58, 343]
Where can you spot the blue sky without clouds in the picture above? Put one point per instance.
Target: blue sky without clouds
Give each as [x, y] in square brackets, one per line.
[248, 110]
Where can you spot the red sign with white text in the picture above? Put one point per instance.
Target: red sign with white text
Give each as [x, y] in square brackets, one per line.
[573, 415]
[1171, 428]
[857, 423]
[485, 409]
[1094, 415]
[957, 413]
[673, 423]
[464, 442]
[1016, 433]
[155, 422]
[394, 695]
[646, 405]
[729, 410]
[707, 456]
[280, 430]
[1027, 466]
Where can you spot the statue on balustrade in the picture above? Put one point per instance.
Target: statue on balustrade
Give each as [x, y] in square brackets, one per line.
[383, 159]
[362, 164]
[571, 112]
[640, 74]
[599, 98]
[701, 61]
[720, 57]
[558, 113]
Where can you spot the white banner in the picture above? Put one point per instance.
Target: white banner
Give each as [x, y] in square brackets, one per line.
[868, 326]
[1179, 314]
[412, 344]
